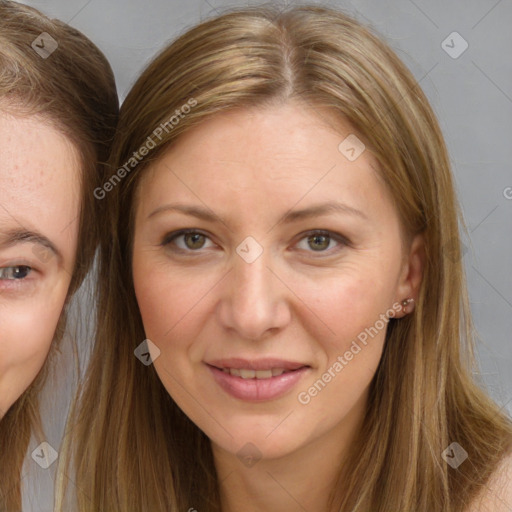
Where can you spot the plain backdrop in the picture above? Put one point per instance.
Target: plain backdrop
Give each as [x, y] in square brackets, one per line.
[471, 94]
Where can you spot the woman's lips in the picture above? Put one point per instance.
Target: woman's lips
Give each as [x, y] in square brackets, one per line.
[271, 380]
[256, 364]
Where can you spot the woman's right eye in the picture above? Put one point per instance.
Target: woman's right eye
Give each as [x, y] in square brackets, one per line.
[187, 240]
[14, 273]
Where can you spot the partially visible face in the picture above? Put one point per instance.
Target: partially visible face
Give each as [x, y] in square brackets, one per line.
[39, 205]
[242, 272]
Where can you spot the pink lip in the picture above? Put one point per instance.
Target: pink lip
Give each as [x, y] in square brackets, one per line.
[260, 364]
[257, 390]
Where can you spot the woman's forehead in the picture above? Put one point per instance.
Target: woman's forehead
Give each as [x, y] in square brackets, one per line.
[245, 168]
[273, 150]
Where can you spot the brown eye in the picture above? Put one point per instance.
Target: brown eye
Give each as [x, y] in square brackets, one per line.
[194, 240]
[187, 241]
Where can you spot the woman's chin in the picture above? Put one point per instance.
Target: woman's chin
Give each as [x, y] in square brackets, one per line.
[255, 446]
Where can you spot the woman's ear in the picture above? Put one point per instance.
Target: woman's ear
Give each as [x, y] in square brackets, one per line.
[411, 275]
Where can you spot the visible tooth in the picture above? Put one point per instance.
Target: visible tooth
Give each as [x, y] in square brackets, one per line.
[252, 374]
[263, 374]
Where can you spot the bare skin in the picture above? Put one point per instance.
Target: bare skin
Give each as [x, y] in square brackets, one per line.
[39, 199]
[305, 298]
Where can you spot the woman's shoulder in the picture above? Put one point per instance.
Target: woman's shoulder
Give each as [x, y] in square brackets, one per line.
[497, 493]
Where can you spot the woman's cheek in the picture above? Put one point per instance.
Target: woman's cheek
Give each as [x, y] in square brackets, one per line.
[159, 304]
[168, 297]
[341, 304]
[25, 341]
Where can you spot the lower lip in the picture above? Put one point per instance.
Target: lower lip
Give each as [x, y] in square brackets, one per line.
[257, 390]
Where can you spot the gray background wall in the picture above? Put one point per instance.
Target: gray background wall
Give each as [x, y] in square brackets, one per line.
[471, 95]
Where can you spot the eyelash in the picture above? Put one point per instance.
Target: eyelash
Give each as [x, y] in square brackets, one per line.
[341, 240]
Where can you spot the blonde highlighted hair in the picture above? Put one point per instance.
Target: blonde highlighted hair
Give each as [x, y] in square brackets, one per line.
[73, 90]
[133, 449]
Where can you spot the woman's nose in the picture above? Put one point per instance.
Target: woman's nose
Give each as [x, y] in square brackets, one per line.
[254, 302]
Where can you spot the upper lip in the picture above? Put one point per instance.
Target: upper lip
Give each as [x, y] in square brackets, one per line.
[256, 364]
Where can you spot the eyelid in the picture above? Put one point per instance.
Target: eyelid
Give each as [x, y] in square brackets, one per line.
[340, 239]
[16, 263]
[170, 237]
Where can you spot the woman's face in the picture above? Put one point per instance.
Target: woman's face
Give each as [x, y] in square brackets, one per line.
[39, 199]
[292, 254]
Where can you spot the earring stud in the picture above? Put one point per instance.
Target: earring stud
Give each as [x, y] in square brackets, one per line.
[406, 303]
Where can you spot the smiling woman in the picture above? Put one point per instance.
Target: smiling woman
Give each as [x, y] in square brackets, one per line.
[279, 258]
[58, 110]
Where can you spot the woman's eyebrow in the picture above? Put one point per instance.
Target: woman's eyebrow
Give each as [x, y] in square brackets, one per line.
[289, 217]
[322, 209]
[21, 235]
[195, 211]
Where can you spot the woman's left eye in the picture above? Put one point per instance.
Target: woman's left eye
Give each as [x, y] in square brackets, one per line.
[15, 273]
[320, 241]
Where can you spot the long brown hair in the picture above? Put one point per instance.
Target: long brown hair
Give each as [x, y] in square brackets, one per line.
[73, 89]
[133, 449]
